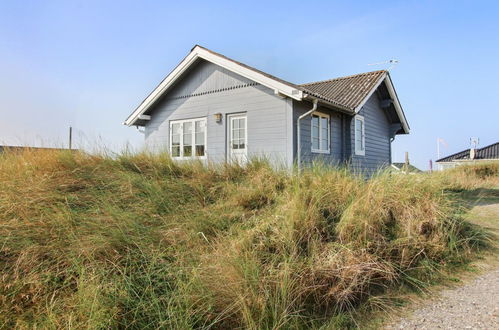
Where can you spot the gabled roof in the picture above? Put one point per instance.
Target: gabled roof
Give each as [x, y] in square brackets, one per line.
[347, 94]
[488, 152]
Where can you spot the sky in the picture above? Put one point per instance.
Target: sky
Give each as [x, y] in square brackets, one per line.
[88, 64]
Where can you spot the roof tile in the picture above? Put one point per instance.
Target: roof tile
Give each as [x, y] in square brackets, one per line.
[348, 91]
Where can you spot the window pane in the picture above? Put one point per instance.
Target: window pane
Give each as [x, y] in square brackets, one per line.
[176, 128]
[315, 143]
[235, 124]
[315, 121]
[324, 122]
[175, 151]
[235, 134]
[187, 151]
[187, 134]
[241, 123]
[324, 145]
[199, 138]
[175, 137]
[200, 150]
[200, 126]
[242, 133]
[315, 132]
[325, 133]
[187, 127]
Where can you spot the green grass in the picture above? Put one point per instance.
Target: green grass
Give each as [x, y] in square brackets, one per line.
[139, 241]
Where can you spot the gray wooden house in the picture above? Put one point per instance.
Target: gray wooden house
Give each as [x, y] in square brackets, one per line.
[213, 108]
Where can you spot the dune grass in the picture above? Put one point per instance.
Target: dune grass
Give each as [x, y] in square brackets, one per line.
[140, 241]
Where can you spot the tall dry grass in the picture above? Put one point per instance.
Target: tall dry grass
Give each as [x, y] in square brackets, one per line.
[140, 241]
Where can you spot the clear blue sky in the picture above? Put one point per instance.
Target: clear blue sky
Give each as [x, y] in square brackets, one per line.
[89, 63]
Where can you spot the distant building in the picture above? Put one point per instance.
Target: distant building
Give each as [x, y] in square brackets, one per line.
[468, 156]
[403, 168]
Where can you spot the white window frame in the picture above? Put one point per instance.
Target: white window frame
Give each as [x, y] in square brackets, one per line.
[193, 121]
[359, 151]
[321, 149]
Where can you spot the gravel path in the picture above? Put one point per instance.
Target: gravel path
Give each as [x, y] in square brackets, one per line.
[474, 305]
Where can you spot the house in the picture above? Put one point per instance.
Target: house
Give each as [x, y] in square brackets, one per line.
[405, 168]
[213, 108]
[468, 156]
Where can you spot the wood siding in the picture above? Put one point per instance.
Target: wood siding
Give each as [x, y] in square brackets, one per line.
[336, 137]
[377, 139]
[209, 89]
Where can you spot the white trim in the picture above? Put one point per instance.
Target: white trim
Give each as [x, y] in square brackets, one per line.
[393, 95]
[289, 132]
[396, 103]
[395, 167]
[229, 129]
[359, 152]
[193, 121]
[200, 52]
[328, 117]
[381, 79]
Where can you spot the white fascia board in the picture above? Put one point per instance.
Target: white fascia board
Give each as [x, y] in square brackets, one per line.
[393, 95]
[156, 93]
[381, 79]
[396, 103]
[199, 52]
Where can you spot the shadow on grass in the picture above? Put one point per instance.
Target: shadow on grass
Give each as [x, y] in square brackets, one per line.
[476, 197]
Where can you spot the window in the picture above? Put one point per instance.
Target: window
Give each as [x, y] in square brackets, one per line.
[238, 132]
[188, 138]
[320, 132]
[360, 137]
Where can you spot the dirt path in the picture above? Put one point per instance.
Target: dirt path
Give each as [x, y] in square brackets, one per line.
[474, 305]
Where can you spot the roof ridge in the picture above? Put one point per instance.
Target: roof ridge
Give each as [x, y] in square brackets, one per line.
[490, 145]
[344, 77]
[454, 154]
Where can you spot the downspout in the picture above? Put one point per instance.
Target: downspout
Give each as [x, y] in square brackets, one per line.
[298, 144]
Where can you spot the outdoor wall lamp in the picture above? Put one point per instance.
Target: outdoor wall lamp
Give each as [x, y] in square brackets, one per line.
[218, 117]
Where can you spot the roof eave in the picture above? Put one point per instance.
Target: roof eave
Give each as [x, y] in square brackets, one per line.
[335, 106]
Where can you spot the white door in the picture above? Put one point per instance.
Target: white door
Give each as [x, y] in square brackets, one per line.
[238, 139]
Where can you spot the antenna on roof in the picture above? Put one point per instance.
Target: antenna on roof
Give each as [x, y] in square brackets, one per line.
[392, 62]
[474, 142]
